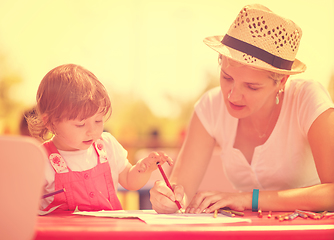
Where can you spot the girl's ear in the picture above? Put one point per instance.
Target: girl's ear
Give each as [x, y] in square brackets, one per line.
[47, 124]
[45, 119]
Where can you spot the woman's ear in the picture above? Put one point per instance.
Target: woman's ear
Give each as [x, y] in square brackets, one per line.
[283, 81]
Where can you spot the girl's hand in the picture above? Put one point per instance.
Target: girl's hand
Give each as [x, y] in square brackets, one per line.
[163, 198]
[210, 201]
[150, 163]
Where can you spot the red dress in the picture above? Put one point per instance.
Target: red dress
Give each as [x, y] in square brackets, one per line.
[90, 190]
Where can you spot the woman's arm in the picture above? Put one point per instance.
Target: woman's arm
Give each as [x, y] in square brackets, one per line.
[188, 169]
[315, 198]
[321, 139]
[319, 197]
[193, 158]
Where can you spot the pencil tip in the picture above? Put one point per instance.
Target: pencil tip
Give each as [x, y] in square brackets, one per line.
[181, 210]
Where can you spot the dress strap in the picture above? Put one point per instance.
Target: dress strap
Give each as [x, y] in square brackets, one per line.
[56, 160]
[100, 151]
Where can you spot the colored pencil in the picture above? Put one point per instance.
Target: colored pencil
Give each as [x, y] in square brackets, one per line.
[53, 193]
[168, 184]
[215, 213]
[227, 213]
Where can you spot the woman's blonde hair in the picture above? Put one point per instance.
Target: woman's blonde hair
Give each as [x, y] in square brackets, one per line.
[67, 92]
[275, 76]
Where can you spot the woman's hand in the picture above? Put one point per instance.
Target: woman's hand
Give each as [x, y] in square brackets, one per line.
[210, 201]
[150, 163]
[163, 198]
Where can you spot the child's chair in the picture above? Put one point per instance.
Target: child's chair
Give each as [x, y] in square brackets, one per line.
[21, 179]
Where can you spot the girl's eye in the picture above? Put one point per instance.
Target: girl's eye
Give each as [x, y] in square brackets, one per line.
[98, 121]
[80, 125]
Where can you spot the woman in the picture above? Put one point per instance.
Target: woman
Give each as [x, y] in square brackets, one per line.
[276, 136]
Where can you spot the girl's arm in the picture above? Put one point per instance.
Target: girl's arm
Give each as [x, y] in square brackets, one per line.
[136, 176]
[315, 198]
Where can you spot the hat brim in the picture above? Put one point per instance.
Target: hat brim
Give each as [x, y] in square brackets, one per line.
[214, 42]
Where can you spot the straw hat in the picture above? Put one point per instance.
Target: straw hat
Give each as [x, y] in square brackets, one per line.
[260, 38]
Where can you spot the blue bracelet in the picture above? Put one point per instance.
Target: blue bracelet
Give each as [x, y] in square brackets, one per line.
[255, 200]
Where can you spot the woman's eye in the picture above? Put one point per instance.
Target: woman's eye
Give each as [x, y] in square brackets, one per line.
[252, 88]
[227, 78]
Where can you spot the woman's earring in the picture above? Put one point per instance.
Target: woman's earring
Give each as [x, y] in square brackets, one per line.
[277, 99]
[277, 96]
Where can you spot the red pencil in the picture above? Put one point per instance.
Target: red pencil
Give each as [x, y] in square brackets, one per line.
[168, 184]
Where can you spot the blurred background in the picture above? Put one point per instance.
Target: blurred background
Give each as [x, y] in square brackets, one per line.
[148, 53]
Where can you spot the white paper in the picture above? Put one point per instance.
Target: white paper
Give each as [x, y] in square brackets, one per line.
[153, 218]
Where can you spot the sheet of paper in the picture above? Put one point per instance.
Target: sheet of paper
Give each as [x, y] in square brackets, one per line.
[152, 218]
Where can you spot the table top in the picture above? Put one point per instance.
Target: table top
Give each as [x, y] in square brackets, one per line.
[69, 226]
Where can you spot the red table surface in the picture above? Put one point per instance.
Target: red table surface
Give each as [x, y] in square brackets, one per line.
[68, 226]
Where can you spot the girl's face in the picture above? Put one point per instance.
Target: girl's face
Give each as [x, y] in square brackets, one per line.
[246, 91]
[72, 135]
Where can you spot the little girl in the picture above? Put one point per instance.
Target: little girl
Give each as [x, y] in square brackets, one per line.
[72, 106]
